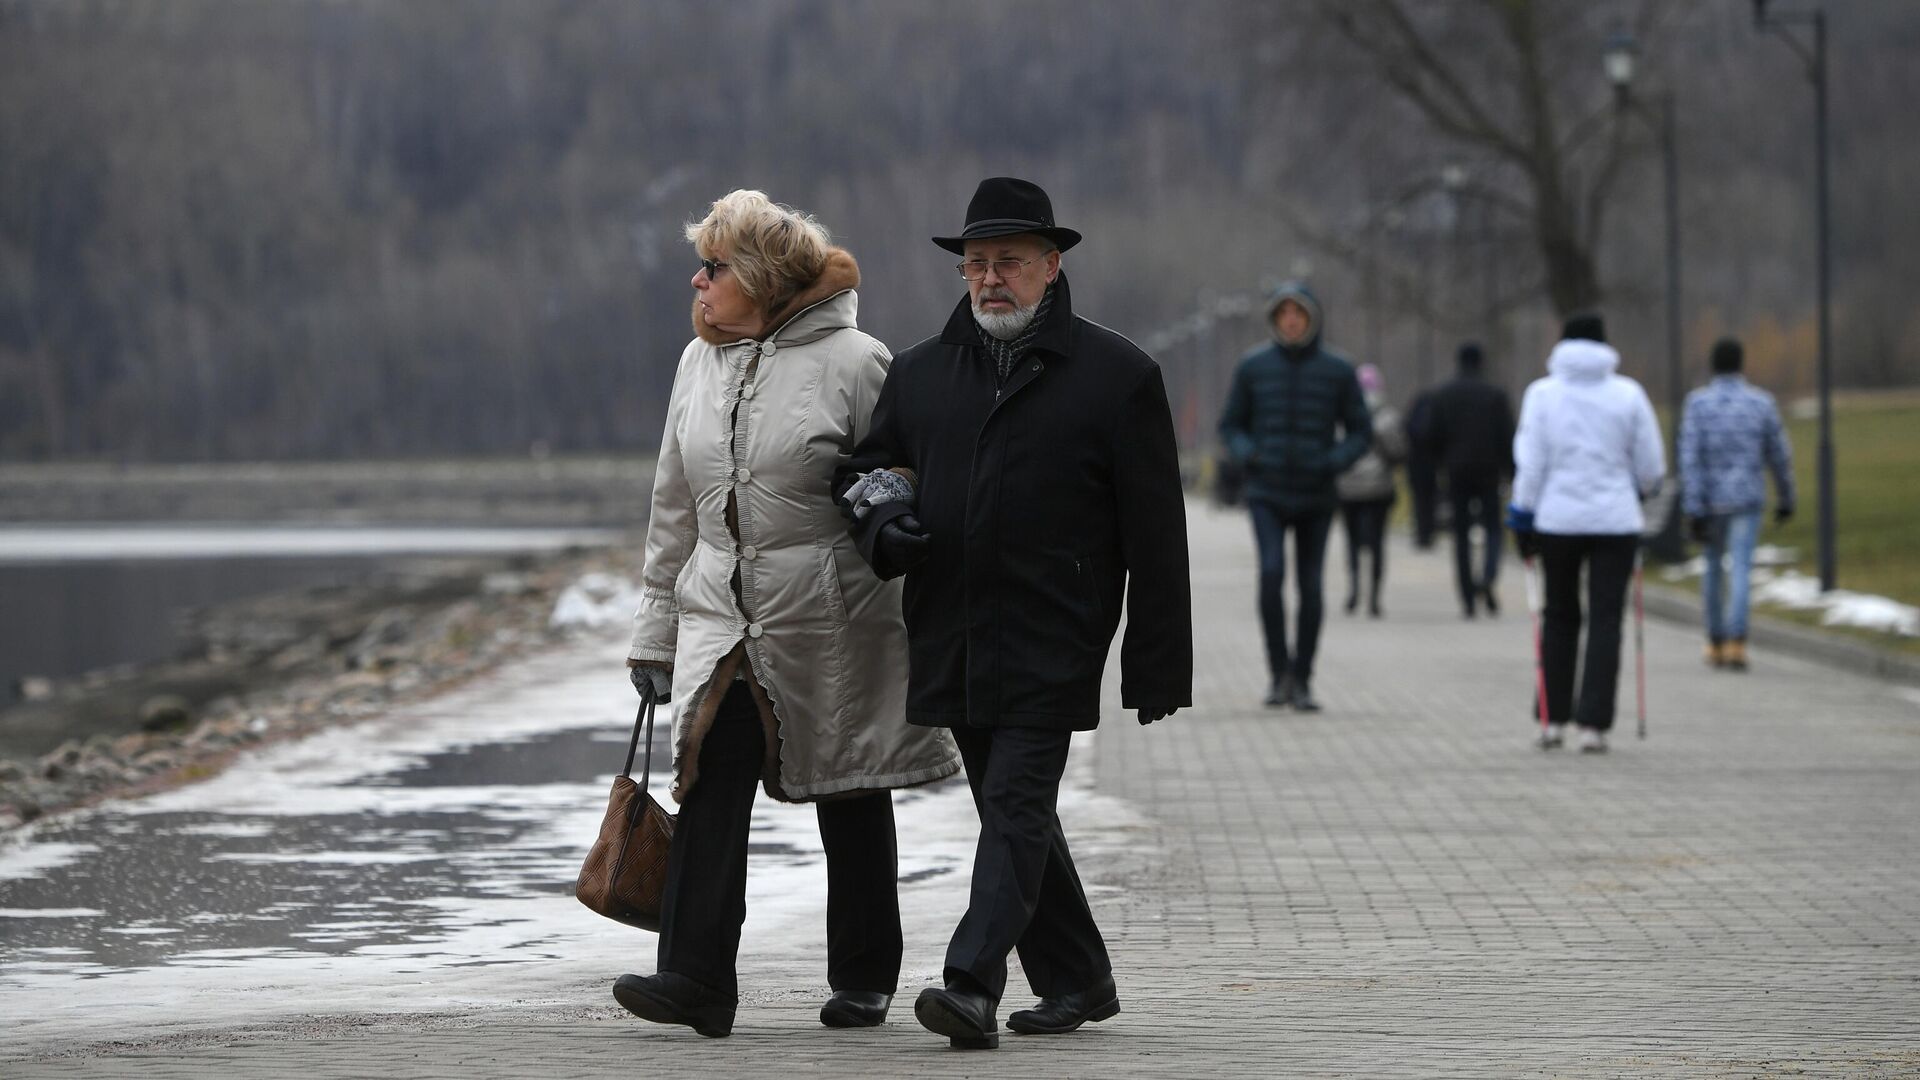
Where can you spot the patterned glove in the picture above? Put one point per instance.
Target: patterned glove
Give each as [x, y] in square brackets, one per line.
[652, 677]
[876, 487]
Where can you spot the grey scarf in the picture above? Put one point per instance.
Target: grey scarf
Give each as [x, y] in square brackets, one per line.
[1005, 354]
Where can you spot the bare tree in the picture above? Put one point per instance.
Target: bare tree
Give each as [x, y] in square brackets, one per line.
[1511, 104]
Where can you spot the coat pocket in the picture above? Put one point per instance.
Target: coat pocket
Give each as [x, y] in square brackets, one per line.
[832, 599]
[1088, 585]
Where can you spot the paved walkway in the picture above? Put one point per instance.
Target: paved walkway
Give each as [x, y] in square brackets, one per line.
[1399, 886]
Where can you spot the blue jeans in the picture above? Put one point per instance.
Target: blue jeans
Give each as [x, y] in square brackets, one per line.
[1270, 525]
[1726, 600]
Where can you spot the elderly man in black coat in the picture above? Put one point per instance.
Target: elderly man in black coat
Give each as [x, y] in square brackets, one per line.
[1020, 469]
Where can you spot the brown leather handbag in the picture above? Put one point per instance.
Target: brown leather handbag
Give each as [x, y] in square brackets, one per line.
[625, 873]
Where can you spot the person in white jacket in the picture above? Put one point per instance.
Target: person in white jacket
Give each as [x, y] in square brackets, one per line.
[1586, 453]
[784, 655]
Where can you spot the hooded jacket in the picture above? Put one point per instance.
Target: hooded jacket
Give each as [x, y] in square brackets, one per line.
[1588, 446]
[766, 422]
[1295, 417]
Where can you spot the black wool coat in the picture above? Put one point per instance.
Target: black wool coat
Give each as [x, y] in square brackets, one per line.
[1471, 428]
[1048, 500]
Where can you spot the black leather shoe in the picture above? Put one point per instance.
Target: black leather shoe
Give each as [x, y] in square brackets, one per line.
[964, 1017]
[1303, 700]
[1059, 1015]
[855, 1008]
[1488, 597]
[668, 998]
[1280, 693]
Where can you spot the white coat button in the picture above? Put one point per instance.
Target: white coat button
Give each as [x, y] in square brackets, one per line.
[745, 476]
[767, 349]
[754, 630]
[746, 391]
[749, 552]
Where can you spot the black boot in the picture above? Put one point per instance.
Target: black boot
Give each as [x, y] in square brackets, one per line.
[1491, 599]
[668, 998]
[964, 1016]
[855, 1008]
[1059, 1015]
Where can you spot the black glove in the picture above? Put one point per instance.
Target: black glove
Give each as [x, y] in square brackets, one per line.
[901, 543]
[655, 677]
[1527, 543]
[1148, 716]
[1783, 513]
[1700, 530]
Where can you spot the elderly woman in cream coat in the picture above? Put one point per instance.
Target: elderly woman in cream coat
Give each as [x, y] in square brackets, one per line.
[784, 653]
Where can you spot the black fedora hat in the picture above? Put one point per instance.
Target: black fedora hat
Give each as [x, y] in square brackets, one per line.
[1003, 206]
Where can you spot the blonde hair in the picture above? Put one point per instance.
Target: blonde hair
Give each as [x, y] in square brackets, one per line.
[775, 251]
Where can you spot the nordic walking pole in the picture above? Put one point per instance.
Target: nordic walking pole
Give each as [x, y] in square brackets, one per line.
[1640, 640]
[1539, 664]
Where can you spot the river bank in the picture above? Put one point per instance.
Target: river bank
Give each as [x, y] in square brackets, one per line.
[285, 664]
[552, 491]
[288, 661]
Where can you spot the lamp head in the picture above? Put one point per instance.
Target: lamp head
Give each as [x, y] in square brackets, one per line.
[1620, 57]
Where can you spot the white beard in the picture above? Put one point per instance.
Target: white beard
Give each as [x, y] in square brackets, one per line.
[1005, 325]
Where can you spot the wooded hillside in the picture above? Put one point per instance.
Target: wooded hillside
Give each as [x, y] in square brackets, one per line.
[235, 229]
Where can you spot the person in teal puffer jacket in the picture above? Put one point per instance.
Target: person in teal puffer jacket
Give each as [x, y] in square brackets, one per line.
[1295, 419]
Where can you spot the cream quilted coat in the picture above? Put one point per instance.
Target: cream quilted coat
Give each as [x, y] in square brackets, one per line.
[821, 636]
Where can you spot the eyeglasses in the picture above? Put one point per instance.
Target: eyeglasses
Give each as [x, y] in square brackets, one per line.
[1007, 269]
[712, 268]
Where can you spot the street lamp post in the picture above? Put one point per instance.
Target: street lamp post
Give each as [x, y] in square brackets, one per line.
[1621, 60]
[1815, 59]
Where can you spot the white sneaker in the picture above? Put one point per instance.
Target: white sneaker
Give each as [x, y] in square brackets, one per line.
[1593, 741]
[1551, 737]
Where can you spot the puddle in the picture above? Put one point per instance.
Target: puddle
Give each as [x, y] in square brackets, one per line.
[126, 890]
[422, 862]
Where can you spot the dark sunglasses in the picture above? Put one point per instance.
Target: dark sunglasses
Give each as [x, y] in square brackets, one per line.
[712, 268]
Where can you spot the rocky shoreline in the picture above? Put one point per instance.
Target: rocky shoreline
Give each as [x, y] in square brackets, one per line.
[284, 665]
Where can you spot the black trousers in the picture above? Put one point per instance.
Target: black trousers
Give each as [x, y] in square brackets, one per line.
[1423, 483]
[1026, 894]
[1476, 501]
[1608, 562]
[1366, 529]
[706, 892]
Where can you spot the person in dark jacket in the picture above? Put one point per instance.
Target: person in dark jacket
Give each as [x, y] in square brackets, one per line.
[1470, 433]
[1021, 472]
[1295, 419]
[1423, 474]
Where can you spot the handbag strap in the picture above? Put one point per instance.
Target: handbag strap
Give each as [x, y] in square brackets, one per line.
[641, 719]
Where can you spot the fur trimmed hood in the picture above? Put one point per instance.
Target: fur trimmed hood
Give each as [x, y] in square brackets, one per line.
[840, 274]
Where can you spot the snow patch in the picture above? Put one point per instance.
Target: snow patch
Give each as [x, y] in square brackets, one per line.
[596, 600]
[1841, 607]
[24, 859]
[1775, 582]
